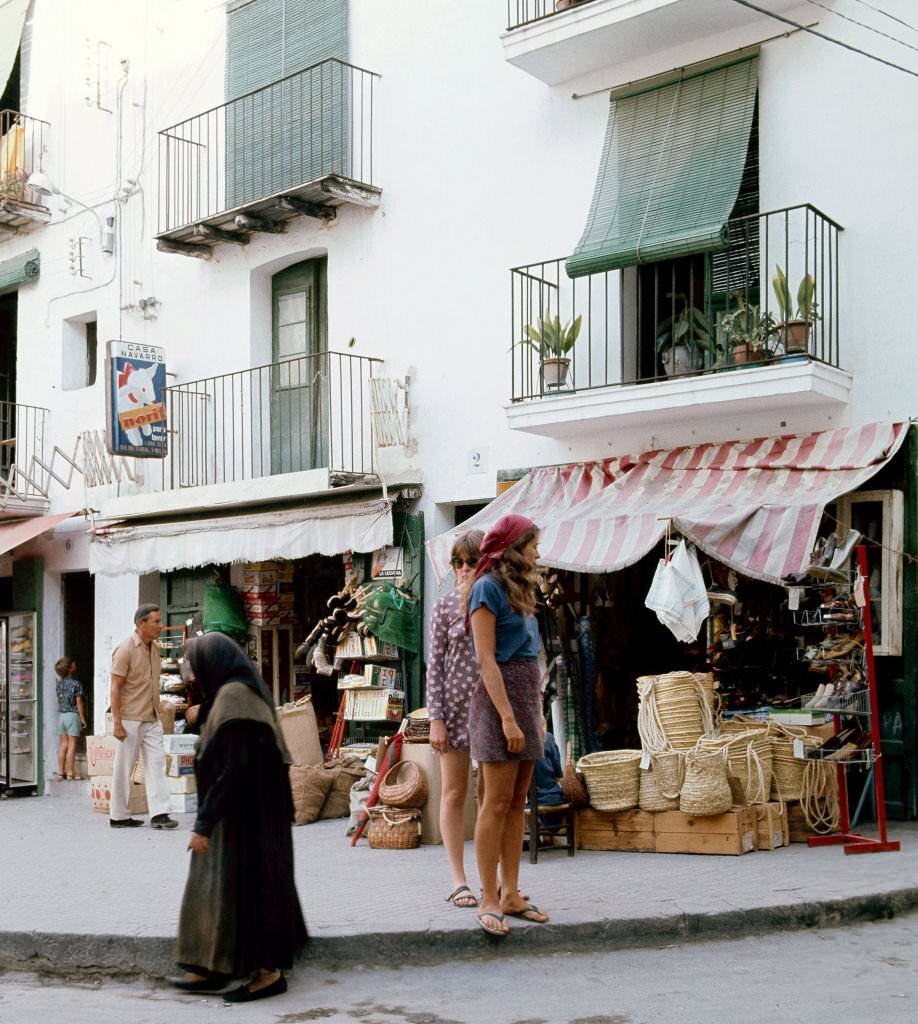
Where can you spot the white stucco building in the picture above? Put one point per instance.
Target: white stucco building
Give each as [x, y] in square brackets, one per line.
[264, 183]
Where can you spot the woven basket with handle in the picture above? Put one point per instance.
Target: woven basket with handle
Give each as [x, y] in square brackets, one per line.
[394, 828]
[404, 785]
[705, 789]
[612, 778]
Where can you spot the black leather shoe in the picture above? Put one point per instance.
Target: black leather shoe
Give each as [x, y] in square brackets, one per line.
[214, 983]
[162, 821]
[124, 822]
[244, 994]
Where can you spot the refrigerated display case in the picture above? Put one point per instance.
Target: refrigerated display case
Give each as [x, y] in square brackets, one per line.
[19, 707]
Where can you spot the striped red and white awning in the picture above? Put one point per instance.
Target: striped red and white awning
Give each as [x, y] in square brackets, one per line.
[754, 505]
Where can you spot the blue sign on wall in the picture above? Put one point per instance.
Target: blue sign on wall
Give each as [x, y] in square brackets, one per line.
[136, 394]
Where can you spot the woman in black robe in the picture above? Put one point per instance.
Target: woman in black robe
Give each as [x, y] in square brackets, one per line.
[241, 915]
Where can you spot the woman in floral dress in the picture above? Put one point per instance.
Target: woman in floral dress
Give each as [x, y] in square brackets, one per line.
[451, 675]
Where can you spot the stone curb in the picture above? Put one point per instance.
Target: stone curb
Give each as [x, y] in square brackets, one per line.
[151, 956]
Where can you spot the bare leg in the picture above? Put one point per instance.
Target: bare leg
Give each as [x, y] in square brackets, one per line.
[511, 898]
[61, 756]
[499, 781]
[71, 756]
[454, 768]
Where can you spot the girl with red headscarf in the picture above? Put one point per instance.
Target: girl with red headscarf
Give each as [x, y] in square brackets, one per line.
[505, 713]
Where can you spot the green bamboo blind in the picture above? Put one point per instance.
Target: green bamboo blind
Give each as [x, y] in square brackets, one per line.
[670, 171]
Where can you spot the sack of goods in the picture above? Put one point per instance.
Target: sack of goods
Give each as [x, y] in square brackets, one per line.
[612, 778]
[394, 828]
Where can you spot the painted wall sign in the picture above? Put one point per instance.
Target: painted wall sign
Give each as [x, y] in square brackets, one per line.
[135, 384]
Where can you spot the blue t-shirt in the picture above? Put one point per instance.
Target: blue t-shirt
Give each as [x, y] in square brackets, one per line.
[516, 636]
[68, 689]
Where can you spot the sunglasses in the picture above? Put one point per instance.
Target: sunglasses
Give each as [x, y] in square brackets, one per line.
[457, 563]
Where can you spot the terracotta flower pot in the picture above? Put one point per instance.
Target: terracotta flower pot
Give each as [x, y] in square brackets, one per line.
[796, 336]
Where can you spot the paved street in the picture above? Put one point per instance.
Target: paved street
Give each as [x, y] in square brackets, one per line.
[819, 977]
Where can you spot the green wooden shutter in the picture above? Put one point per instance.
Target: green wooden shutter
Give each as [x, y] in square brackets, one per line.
[19, 270]
[670, 171]
[283, 132]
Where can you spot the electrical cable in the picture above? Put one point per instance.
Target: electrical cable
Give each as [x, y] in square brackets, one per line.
[892, 17]
[828, 39]
[862, 24]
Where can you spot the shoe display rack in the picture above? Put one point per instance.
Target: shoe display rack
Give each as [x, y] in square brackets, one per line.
[856, 701]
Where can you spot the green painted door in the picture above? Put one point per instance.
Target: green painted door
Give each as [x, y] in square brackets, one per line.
[299, 374]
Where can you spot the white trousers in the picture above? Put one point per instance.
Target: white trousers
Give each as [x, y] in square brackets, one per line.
[146, 737]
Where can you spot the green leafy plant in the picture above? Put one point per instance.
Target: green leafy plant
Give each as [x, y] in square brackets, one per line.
[552, 339]
[746, 325]
[806, 308]
[689, 327]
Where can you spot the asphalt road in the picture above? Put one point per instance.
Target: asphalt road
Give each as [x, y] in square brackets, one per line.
[866, 973]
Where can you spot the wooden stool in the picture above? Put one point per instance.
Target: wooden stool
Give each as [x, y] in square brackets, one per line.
[566, 827]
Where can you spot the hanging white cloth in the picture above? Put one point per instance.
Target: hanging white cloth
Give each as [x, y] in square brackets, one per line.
[678, 594]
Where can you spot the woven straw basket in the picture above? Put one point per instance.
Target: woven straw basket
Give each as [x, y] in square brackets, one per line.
[612, 778]
[705, 789]
[660, 785]
[681, 707]
[404, 785]
[417, 726]
[748, 757]
[394, 828]
[787, 770]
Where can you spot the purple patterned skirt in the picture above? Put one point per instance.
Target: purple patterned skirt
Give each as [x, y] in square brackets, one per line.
[521, 680]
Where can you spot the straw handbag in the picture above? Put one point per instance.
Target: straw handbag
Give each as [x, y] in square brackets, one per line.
[575, 793]
[612, 778]
[394, 828]
[748, 756]
[787, 770]
[661, 784]
[404, 785]
[705, 789]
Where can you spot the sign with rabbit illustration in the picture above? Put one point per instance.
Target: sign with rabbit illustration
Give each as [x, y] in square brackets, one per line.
[136, 400]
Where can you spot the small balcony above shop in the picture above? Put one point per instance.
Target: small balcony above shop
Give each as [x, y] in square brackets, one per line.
[23, 477]
[22, 148]
[556, 40]
[301, 426]
[683, 339]
[300, 147]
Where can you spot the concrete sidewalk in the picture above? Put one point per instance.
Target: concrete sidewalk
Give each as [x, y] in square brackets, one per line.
[77, 895]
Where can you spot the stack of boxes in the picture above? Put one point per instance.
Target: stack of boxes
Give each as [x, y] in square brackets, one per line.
[267, 593]
[183, 789]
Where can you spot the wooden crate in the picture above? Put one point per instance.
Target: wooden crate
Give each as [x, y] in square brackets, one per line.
[731, 833]
[799, 830]
[615, 830]
[771, 826]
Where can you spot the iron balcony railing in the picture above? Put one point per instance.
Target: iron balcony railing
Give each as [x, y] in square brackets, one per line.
[309, 412]
[22, 445]
[22, 147]
[307, 126]
[525, 12]
[683, 317]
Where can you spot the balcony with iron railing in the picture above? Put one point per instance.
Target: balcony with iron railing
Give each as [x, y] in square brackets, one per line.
[301, 146]
[23, 476]
[22, 148]
[686, 337]
[557, 40]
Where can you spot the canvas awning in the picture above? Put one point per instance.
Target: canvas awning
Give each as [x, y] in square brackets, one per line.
[328, 529]
[754, 505]
[12, 18]
[14, 534]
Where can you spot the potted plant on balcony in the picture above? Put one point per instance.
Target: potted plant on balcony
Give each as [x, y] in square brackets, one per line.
[747, 333]
[562, 5]
[683, 339]
[796, 321]
[553, 340]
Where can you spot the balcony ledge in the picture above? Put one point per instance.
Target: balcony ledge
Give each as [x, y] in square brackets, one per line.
[776, 388]
[603, 33]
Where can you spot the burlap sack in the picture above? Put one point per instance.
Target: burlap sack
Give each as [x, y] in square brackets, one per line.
[344, 774]
[309, 786]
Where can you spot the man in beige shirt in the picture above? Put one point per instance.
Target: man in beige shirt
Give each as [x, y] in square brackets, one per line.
[135, 722]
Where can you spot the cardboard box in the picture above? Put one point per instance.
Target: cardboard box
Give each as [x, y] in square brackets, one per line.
[183, 784]
[424, 755]
[631, 830]
[100, 755]
[301, 734]
[732, 833]
[180, 743]
[183, 803]
[178, 765]
[771, 826]
[100, 795]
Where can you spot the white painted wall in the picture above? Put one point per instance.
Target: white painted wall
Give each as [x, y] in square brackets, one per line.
[482, 168]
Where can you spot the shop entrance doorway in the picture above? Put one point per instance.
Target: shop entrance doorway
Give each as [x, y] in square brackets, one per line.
[78, 592]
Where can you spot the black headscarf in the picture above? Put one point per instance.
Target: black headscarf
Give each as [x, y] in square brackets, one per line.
[216, 660]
